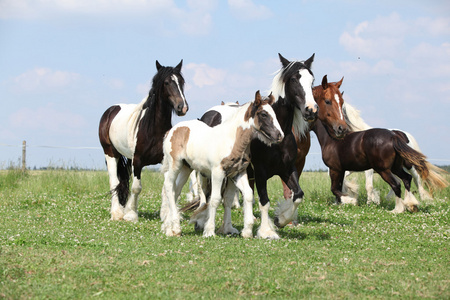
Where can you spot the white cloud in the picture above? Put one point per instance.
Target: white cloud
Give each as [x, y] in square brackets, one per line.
[195, 20]
[204, 75]
[41, 79]
[32, 9]
[247, 10]
[434, 26]
[47, 119]
[380, 38]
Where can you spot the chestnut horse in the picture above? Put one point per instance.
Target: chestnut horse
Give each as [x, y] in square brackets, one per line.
[132, 137]
[329, 99]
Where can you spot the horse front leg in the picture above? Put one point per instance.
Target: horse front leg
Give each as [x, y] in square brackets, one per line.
[266, 229]
[171, 218]
[242, 183]
[337, 179]
[217, 178]
[131, 208]
[287, 209]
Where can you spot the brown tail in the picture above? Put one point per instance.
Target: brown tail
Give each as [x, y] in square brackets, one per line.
[436, 178]
[430, 174]
[190, 206]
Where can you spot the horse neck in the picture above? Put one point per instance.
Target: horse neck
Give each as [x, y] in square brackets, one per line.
[243, 129]
[285, 114]
[158, 115]
[322, 134]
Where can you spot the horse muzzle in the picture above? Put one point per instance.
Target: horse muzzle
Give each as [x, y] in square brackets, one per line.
[340, 131]
[310, 114]
[182, 109]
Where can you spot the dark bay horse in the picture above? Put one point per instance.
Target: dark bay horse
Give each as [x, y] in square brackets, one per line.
[383, 150]
[132, 136]
[294, 107]
[356, 123]
[329, 99]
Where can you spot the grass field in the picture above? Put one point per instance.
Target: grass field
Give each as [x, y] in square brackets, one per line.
[56, 241]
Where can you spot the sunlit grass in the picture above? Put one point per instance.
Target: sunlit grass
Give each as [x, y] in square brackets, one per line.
[56, 241]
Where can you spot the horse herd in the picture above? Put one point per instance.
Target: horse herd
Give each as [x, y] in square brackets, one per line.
[234, 147]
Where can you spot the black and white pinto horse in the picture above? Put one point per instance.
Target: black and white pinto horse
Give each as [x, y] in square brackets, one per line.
[356, 123]
[132, 136]
[221, 152]
[294, 107]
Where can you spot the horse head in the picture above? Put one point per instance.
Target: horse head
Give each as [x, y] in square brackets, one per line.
[170, 83]
[298, 78]
[264, 119]
[330, 101]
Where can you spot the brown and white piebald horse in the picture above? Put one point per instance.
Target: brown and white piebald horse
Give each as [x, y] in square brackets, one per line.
[132, 136]
[220, 153]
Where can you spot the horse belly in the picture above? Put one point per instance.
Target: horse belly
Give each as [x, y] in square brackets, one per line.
[123, 130]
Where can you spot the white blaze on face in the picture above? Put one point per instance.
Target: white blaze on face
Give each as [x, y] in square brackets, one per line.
[336, 97]
[175, 78]
[306, 81]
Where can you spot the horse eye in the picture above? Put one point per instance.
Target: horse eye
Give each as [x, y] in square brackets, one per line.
[166, 82]
[328, 102]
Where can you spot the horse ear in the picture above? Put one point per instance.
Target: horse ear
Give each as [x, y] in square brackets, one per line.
[237, 102]
[158, 65]
[339, 83]
[178, 67]
[309, 61]
[222, 103]
[325, 82]
[283, 60]
[257, 99]
[271, 99]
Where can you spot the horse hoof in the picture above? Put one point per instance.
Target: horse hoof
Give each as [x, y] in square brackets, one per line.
[116, 216]
[270, 235]
[209, 234]
[131, 217]
[276, 221]
[247, 233]
[198, 227]
[413, 208]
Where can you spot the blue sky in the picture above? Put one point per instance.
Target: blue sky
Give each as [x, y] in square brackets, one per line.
[63, 62]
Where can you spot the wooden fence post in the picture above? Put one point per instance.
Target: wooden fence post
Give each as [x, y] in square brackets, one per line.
[24, 156]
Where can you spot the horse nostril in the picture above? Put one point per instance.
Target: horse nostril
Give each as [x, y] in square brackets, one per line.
[280, 137]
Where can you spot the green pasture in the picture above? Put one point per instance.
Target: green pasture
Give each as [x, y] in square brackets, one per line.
[57, 242]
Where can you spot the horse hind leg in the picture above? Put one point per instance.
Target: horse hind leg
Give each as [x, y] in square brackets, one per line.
[117, 210]
[424, 195]
[395, 185]
[216, 197]
[228, 198]
[410, 200]
[287, 209]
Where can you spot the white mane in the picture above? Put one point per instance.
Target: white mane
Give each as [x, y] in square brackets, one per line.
[353, 118]
[277, 87]
[300, 126]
